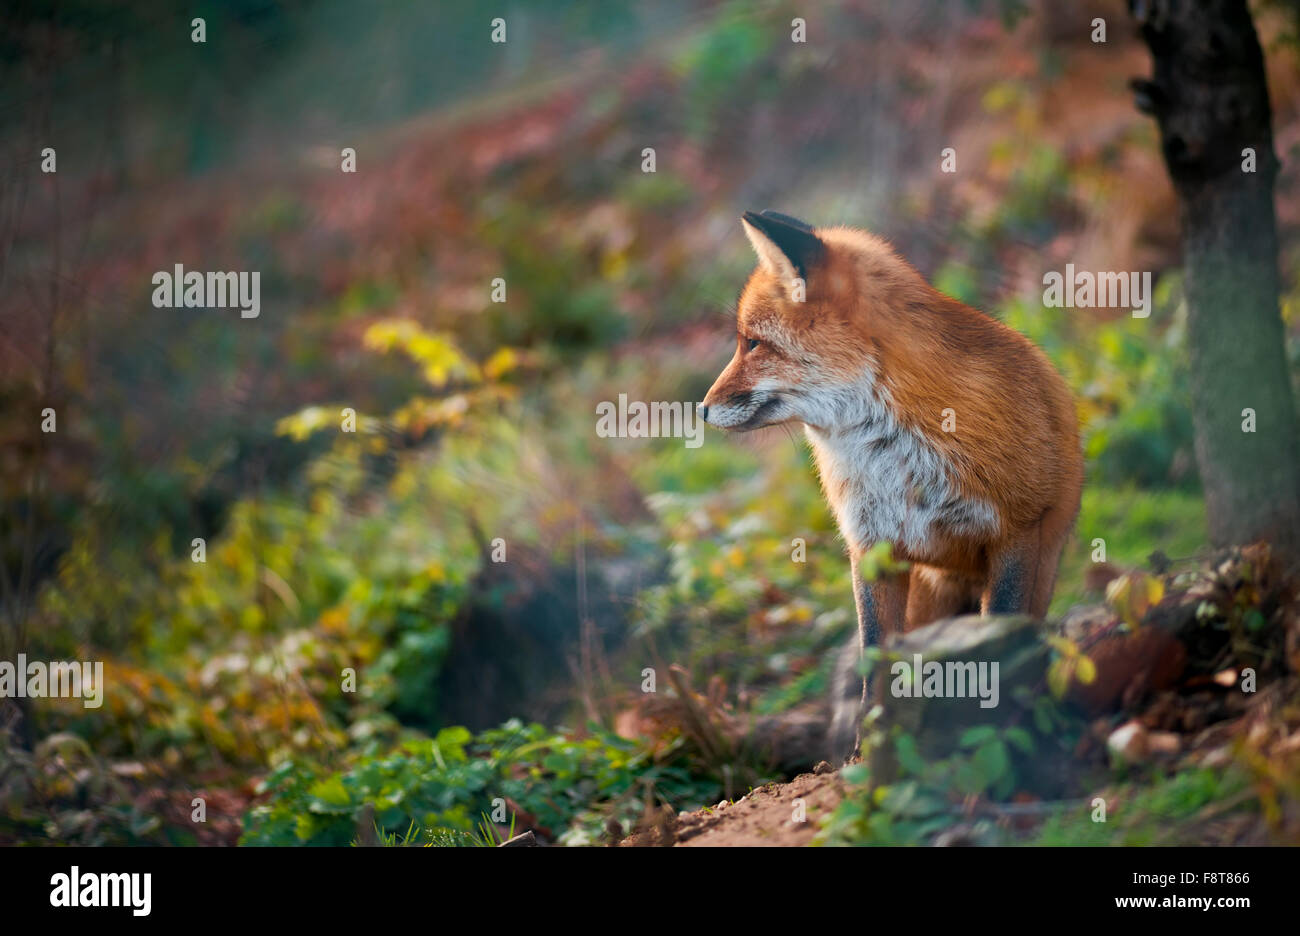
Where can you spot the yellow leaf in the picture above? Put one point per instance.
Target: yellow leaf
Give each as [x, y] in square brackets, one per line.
[502, 361]
[1133, 594]
[1063, 645]
[1058, 677]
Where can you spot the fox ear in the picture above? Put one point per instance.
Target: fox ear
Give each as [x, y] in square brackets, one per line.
[785, 246]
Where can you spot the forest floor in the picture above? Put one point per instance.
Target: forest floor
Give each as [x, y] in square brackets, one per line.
[1187, 677]
[790, 814]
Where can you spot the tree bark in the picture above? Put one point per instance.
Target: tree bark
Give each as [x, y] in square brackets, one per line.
[1209, 95]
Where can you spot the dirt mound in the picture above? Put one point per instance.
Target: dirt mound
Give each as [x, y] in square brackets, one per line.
[778, 814]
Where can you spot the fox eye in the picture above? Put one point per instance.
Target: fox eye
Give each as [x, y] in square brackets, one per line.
[753, 343]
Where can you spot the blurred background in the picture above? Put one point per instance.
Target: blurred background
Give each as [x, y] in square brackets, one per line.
[326, 551]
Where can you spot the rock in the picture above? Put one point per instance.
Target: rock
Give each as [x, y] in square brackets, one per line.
[1226, 678]
[1164, 742]
[969, 669]
[1133, 742]
[969, 636]
[1129, 742]
[790, 741]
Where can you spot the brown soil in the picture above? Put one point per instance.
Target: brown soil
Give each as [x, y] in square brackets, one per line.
[765, 816]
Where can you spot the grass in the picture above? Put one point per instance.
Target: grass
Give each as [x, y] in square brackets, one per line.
[1168, 810]
[1133, 523]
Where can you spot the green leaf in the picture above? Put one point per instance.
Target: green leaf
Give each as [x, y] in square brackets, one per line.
[909, 758]
[856, 774]
[974, 737]
[331, 791]
[1021, 739]
[993, 762]
[1043, 718]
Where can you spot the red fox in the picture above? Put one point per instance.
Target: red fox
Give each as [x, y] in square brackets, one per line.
[933, 427]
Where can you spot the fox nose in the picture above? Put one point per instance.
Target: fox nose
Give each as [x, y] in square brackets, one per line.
[704, 412]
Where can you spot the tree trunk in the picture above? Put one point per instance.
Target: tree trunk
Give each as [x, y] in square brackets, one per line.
[1209, 95]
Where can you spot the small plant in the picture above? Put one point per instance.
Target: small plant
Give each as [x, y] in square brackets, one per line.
[989, 765]
[486, 836]
[1068, 664]
[566, 785]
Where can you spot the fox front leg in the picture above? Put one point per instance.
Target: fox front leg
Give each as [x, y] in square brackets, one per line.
[882, 610]
[881, 604]
[880, 607]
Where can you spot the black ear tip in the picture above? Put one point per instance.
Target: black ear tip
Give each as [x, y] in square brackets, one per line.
[751, 216]
[787, 219]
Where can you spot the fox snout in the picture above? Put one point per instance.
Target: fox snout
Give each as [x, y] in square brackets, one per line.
[724, 406]
[724, 401]
[721, 409]
[740, 411]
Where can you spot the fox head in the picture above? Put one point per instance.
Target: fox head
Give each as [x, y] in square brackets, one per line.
[804, 326]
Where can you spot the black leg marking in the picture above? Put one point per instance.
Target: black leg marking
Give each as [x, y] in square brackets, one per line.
[1008, 592]
[868, 618]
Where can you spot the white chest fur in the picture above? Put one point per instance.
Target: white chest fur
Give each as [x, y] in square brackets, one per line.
[886, 482]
